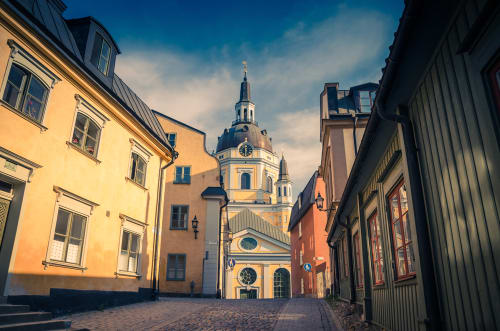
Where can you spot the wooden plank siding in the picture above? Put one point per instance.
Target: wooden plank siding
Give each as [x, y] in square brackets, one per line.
[459, 168]
[395, 307]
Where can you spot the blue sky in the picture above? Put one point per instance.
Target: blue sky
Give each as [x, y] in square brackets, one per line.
[184, 59]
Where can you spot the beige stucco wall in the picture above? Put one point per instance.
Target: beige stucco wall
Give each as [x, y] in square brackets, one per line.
[101, 182]
[190, 145]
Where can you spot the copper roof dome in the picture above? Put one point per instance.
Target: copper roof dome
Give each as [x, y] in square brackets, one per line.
[242, 132]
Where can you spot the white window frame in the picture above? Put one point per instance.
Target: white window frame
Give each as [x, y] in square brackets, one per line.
[143, 152]
[300, 229]
[25, 60]
[78, 205]
[84, 107]
[134, 226]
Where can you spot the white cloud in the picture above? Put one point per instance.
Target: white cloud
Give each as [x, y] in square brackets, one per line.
[286, 75]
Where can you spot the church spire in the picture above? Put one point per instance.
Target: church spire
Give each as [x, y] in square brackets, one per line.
[283, 175]
[245, 85]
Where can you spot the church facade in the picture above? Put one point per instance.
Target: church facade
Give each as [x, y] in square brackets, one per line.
[259, 190]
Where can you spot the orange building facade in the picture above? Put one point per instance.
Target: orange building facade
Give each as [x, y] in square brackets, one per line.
[308, 243]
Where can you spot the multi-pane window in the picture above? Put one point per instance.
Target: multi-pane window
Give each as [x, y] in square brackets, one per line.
[25, 92]
[279, 191]
[376, 248]
[101, 54]
[300, 229]
[366, 99]
[357, 256]
[176, 267]
[401, 232]
[172, 138]
[269, 185]
[138, 169]
[301, 257]
[129, 252]
[182, 175]
[86, 134]
[68, 238]
[245, 181]
[281, 283]
[179, 217]
[346, 260]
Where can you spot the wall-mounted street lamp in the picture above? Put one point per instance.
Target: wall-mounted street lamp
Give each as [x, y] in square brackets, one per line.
[319, 203]
[194, 224]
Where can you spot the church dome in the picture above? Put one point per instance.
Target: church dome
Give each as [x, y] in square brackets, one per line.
[242, 132]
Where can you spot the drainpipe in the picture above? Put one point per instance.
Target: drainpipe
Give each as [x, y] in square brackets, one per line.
[155, 281]
[220, 245]
[424, 249]
[355, 124]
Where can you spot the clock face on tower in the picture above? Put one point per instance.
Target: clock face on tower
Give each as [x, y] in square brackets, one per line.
[246, 149]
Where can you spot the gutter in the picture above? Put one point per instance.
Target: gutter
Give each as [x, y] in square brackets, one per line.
[155, 282]
[219, 248]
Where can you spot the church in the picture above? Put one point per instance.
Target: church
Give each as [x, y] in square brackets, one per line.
[255, 246]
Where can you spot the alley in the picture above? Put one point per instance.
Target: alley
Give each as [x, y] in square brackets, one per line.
[210, 314]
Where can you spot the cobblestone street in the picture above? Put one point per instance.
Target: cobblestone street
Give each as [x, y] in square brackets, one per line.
[210, 314]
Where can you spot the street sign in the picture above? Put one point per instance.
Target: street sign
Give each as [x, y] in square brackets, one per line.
[231, 263]
[307, 267]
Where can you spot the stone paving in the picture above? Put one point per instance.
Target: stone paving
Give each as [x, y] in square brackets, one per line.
[209, 314]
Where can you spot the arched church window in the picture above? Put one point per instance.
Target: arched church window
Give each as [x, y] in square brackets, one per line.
[284, 191]
[245, 181]
[269, 186]
[245, 114]
[239, 113]
[251, 115]
[279, 191]
[281, 283]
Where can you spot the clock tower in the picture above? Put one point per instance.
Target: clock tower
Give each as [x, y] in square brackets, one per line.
[250, 169]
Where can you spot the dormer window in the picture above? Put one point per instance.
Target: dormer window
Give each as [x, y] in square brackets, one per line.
[366, 100]
[101, 54]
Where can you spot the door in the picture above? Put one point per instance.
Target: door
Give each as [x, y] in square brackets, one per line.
[281, 283]
[248, 294]
[4, 210]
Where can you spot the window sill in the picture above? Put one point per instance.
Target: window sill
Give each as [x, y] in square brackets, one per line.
[76, 148]
[22, 115]
[408, 280]
[185, 183]
[127, 274]
[135, 183]
[177, 279]
[179, 229]
[63, 265]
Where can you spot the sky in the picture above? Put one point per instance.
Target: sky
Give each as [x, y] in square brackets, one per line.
[183, 58]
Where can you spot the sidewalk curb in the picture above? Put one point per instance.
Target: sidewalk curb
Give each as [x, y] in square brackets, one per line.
[332, 315]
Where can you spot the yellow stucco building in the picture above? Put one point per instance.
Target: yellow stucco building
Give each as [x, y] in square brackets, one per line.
[81, 164]
[256, 182]
[193, 189]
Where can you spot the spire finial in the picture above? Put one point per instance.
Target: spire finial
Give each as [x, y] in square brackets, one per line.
[245, 69]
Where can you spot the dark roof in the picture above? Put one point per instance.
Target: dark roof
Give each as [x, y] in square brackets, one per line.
[90, 18]
[344, 101]
[248, 220]
[244, 131]
[214, 191]
[245, 89]
[283, 175]
[46, 17]
[307, 200]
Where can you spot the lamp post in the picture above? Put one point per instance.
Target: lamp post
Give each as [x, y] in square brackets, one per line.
[319, 203]
[194, 224]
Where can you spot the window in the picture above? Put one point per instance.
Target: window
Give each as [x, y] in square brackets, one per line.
[300, 229]
[129, 252]
[245, 181]
[346, 261]
[25, 92]
[239, 114]
[248, 244]
[279, 191]
[138, 169]
[248, 276]
[86, 134]
[101, 54]
[300, 201]
[301, 257]
[182, 175]
[176, 267]
[269, 186]
[179, 217]
[376, 247]
[401, 232]
[281, 283]
[171, 137]
[357, 256]
[68, 237]
[245, 114]
[366, 99]
[302, 286]
[284, 191]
